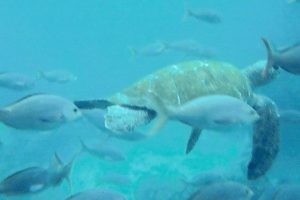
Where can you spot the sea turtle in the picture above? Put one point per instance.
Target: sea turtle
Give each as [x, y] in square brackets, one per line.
[179, 83]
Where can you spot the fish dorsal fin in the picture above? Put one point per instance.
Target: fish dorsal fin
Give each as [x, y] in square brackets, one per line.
[24, 98]
[194, 137]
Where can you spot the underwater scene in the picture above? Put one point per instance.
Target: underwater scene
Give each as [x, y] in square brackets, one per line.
[150, 100]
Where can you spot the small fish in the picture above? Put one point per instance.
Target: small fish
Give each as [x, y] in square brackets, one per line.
[58, 76]
[215, 112]
[16, 81]
[39, 112]
[190, 48]
[103, 152]
[183, 45]
[227, 190]
[35, 179]
[207, 16]
[150, 50]
[288, 59]
[290, 116]
[97, 194]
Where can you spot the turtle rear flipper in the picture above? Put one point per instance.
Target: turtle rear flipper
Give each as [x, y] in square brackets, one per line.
[265, 146]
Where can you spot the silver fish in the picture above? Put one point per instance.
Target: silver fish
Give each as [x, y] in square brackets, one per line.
[150, 50]
[215, 112]
[287, 59]
[58, 76]
[207, 16]
[16, 81]
[39, 112]
[97, 194]
[35, 179]
[190, 48]
[103, 152]
[183, 45]
[209, 112]
[227, 190]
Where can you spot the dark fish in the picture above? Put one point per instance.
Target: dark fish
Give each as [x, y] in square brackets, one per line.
[97, 194]
[39, 112]
[205, 16]
[35, 179]
[104, 152]
[288, 59]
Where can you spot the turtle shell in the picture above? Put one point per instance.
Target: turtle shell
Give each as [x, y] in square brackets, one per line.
[177, 84]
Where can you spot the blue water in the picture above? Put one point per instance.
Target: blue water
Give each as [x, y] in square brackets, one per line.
[92, 39]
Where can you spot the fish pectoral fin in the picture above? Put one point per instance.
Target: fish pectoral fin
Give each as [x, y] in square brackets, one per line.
[194, 137]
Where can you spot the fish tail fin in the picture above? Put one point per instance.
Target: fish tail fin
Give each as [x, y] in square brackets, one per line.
[163, 113]
[67, 170]
[270, 58]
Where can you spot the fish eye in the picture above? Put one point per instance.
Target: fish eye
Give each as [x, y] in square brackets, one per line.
[75, 110]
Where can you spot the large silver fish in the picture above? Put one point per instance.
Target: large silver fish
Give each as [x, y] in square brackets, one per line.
[287, 59]
[35, 179]
[214, 112]
[16, 81]
[58, 76]
[97, 194]
[210, 112]
[39, 112]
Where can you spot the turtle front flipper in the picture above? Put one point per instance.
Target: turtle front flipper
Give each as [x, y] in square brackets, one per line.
[265, 146]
